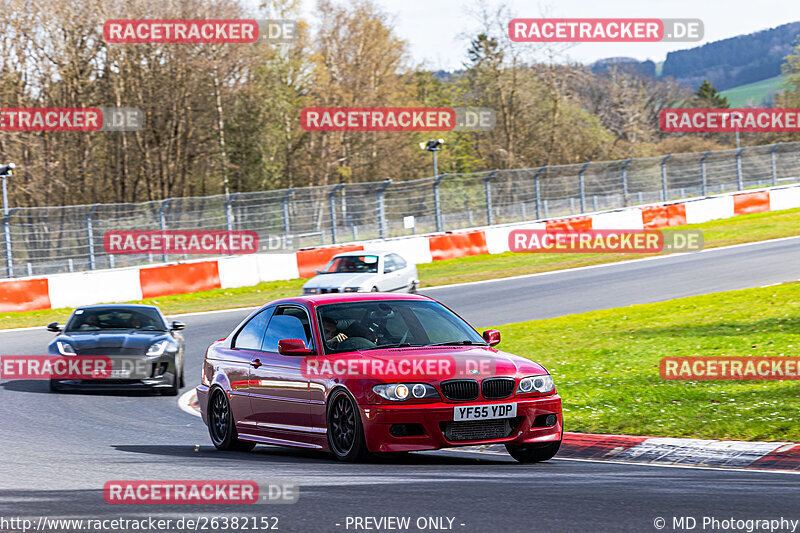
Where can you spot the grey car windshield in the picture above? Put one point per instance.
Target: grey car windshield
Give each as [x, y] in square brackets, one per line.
[116, 318]
[353, 263]
[368, 325]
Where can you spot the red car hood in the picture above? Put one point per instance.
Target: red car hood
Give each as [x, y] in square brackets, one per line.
[435, 362]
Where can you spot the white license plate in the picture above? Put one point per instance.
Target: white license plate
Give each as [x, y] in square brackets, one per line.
[115, 374]
[484, 412]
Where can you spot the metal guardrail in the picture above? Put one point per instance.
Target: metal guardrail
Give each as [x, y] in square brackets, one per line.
[47, 240]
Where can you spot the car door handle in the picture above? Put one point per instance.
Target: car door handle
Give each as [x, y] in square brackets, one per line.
[255, 363]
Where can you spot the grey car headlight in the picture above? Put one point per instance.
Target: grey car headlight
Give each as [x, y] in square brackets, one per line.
[542, 383]
[352, 289]
[310, 290]
[64, 348]
[160, 347]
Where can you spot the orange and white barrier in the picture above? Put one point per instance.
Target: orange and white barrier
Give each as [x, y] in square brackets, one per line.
[127, 284]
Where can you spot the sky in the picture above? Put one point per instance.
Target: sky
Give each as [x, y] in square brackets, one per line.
[437, 30]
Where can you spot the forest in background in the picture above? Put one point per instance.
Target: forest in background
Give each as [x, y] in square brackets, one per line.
[225, 118]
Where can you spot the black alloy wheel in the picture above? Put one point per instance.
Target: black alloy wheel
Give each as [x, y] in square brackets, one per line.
[345, 433]
[220, 424]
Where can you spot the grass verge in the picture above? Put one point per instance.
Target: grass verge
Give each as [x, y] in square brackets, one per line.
[741, 229]
[605, 364]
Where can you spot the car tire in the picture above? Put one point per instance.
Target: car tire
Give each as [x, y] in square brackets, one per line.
[533, 453]
[175, 388]
[183, 378]
[220, 424]
[54, 386]
[374, 289]
[345, 431]
[414, 288]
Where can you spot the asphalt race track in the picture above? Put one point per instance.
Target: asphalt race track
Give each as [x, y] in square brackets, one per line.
[616, 285]
[59, 449]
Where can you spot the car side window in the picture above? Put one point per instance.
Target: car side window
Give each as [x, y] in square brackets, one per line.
[251, 335]
[388, 264]
[399, 262]
[288, 322]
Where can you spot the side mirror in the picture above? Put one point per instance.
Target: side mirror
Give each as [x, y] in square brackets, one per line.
[492, 336]
[317, 271]
[177, 326]
[54, 327]
[293, 347]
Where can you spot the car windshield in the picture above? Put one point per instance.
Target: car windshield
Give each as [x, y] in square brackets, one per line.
[368, 325]
[116, 318]
[353, 263]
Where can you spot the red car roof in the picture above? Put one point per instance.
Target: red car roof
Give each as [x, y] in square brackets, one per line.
[341, 297]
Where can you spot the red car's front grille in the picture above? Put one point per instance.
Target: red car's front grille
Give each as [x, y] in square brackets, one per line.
[497, 388]
[460, 390]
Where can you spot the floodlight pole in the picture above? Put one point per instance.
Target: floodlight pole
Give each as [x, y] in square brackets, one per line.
[5, 172]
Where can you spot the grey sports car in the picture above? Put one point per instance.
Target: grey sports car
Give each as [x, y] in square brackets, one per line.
[360, 271]
[145, 351]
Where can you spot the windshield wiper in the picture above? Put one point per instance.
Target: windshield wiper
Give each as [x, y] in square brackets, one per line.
[397, 345]
[458, 343]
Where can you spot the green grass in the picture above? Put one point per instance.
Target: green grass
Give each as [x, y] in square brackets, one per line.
[605, 365]
[754, 93]
[745, 228]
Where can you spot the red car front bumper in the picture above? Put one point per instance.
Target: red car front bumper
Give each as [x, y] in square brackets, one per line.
[379, 419]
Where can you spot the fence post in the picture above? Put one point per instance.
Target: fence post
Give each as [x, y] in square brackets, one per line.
[625, 182]
[7, 236]
[332, 209]
[538, 191]
[437, 204]
[487, 185]
[774, 168]
[739, 181]
[704, 183]
[286, 229]
[90, 237]
[582, 187]
[162, 222]
[664, 177]
[381, 209]
[229, 220]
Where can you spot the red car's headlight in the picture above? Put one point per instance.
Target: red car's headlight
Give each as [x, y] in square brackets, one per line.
[398, 392]
[542, 383]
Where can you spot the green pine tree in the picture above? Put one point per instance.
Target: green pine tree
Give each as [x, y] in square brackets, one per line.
[707, 96]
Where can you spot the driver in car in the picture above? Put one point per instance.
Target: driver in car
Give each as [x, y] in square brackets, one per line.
[91, 322]
[333, 337]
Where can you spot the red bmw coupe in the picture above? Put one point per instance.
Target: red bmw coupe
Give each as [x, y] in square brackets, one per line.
[363, 373]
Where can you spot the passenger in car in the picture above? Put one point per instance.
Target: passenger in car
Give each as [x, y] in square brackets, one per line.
[333, 337]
